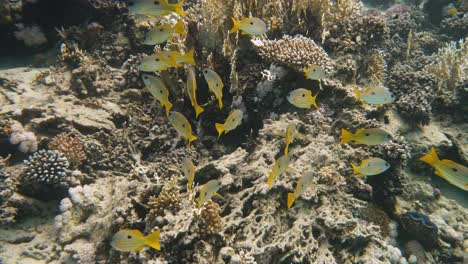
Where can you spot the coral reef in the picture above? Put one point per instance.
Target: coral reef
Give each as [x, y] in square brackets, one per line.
[45, 167]
[212, 222]
[26, 141]
[7, 188]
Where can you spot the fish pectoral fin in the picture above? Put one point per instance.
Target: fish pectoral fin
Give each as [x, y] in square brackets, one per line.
[377, 170]
[218, 195]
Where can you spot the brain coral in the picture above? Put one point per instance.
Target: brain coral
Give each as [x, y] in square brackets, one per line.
[296, 52]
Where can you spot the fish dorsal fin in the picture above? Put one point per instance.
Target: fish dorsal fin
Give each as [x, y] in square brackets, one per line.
[450, 163]
[359, 131]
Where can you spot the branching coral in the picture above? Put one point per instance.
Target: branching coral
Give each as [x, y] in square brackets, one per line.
[296, 52]
[376, 67]
[334, 11]
[70, 146]
[169, 199]
[450, 65]
[46, 167]
[212, 222]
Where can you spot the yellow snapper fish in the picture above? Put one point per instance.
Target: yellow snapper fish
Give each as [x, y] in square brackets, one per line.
[315, 72]
[187, 58]
[189, 171]
[369, 167]
[451, 171]
[302, 98]
[163, 33]
[249, 26]
[301, 186]
[232, 121]
[207, 191]
[280, 166]
[155, 7]
[215, 84]
[182, 126]
[131, 240]
[376, 95]
[159, 91]
[366, 136]
[157, 62]
[291, 133]
[192, 91]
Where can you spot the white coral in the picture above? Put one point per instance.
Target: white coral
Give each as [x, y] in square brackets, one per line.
[26, 141]
[31, 36]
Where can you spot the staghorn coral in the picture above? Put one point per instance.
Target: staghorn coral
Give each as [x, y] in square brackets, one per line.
[450, 65]
[376, 67]
[46, 167]
[211, 220]
[296, 52]
[70, 146]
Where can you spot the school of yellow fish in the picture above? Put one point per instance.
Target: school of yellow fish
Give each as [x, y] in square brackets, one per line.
[128, 240]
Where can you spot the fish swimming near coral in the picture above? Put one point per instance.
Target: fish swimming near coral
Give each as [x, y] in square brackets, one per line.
[215, 84]
[366, 136]
[131, 240]
[207, 191]
[291, 134]
[157, 62]
[163, 33]
[182, 126]
[369, 167]
[301, 186]
[375, 95]
[159, 91]
[302, 98]
[280, 166]
[450, 9]
[232, 121]
[186, 58]
[192, 91]
[451, 171]
[249, 26]
[315, 72]
[155, 7]
[189, 171]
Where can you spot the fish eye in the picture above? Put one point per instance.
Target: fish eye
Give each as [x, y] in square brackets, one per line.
[368, 164]
[392, 96]
[160, 91]
[367, 134]
[454, 169]
[303, 95]
[146, 77]
[217, 84]
[251, 23]
[314, 70]
[206, 194]
[386, 164]
[156, 59]
[233, 119]
[161, 30]
[373, 93]
[183, 125]
[156, 2]
[129, 237]
[205, 71]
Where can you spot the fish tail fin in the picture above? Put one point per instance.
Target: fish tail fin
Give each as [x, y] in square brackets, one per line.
[190, 139]
[357, 93]
[219, 128]
[291, 199]
[220, 102]
[346, 136]
[198, 110]
[189, 57]
[177, 8]
[168, 107]
[152, 240]
[431, 157]
[355, 169]
[179, 27]
[236, 25]
[270, 179]
[313, 101]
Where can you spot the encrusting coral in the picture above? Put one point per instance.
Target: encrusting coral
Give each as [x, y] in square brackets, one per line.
[70, 146]
[296, 52]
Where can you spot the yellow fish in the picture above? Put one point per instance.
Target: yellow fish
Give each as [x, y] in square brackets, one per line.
[159, 91]
[131, 240]
[207, 191]
[192, 91]
[301, 186]
[369, 167]
[451, 171]
[249, 26]
[182, 126]
[187, 58]
[232, 121]
[315, 72]
[189, 171]
[291, 133]
[449, 10]
[156, 7]
[280, 166]
[163, 33]
[158, 62]
[369, 136]
[376, 95]
[215, 84]
[302, 98]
